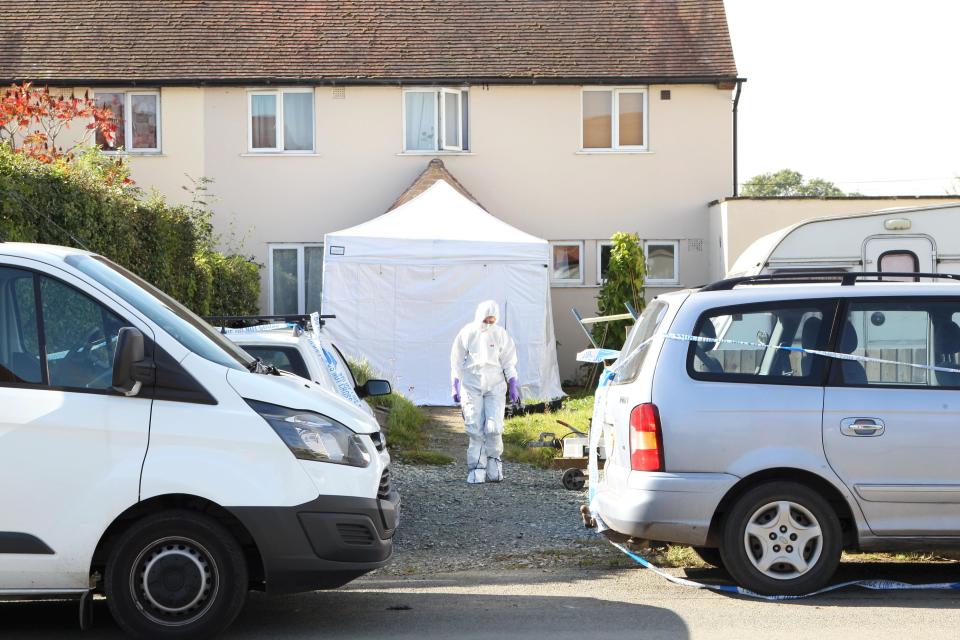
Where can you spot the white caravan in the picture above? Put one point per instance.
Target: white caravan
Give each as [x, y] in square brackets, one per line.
[146, 456]
[916, 239]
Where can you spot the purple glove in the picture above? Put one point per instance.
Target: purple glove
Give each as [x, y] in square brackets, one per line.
[514, 391]
[456, 390]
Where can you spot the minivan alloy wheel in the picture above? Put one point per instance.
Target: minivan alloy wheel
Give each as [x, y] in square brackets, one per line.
[783, 540]
[781, 537]
[174, 581]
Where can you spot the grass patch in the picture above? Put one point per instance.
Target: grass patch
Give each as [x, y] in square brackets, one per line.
[405, 422]
[521, 430]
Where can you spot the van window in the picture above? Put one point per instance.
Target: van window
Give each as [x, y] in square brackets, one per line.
[761, 343]
[80, 337]
[284, 358]
[635, 349]
[19, 342]
[920, 332]
[183, 325]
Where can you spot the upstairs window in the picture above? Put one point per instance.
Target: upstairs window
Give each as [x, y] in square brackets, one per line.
[614, 119]
[281, 121]
[137, 115]
[435, 120]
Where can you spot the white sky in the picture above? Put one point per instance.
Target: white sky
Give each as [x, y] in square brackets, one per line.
[864, 94]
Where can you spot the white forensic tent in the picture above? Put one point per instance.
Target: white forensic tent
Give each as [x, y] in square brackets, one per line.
[403, 284]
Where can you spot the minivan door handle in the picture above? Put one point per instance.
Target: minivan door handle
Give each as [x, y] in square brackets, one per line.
[862, 427]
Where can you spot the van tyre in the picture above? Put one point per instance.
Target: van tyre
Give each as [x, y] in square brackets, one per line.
[176, 574]
[781, 538]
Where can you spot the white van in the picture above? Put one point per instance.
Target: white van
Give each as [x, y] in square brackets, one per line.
[297, 344]
[144, 455]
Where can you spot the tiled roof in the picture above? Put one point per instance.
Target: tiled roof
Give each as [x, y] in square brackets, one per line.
[364, 41]
[434, 172]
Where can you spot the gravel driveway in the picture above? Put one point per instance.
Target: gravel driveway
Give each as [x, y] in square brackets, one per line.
[527, 521]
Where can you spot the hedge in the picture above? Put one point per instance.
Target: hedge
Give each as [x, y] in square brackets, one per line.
[74, 204]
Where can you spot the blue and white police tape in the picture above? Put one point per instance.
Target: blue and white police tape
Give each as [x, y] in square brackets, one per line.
[259, 328]
[875, 585]
[599, 355]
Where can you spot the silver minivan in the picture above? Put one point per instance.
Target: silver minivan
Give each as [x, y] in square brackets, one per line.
[773, 422]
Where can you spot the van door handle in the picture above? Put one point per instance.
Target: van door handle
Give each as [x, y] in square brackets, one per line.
[862, 427]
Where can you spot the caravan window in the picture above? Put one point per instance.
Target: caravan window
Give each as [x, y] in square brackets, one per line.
[899, 262]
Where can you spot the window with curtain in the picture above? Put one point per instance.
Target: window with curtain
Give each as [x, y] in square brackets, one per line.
[137, 115]
[614, 119]
[281, 121]
[435, 120]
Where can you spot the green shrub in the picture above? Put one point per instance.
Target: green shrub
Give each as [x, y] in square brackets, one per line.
[624, 284]
[72, 203]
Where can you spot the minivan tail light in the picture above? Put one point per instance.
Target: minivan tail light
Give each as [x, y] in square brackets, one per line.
[646, 440]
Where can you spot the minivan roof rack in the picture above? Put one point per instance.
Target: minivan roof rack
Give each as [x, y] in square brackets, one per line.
[846, 278]
[241, 322]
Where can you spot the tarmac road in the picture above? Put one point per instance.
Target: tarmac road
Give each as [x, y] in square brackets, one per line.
[556, 605]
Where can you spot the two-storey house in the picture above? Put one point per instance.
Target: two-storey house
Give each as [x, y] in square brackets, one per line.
[568, 120]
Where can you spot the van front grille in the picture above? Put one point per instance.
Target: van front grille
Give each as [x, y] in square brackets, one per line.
[383, 491]
[357, 535]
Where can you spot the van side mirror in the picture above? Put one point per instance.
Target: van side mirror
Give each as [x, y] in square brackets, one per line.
[129, 369]
[374, 388]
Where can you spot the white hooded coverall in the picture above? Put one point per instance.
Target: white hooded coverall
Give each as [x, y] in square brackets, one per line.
[483, 357]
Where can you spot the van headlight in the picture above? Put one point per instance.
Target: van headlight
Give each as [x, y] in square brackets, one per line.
[314, 437]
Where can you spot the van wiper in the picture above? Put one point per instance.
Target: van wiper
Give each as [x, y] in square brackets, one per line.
[258, 366]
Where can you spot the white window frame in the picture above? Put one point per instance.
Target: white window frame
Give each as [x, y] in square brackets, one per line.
[676, 263]
[442, 103]
[301, 271]
[438, 120]
[566, 243]
[128, 120]
[278, 96]
[615, 120]
[600, 245]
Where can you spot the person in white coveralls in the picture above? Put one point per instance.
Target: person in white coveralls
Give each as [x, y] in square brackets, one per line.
[483, 368]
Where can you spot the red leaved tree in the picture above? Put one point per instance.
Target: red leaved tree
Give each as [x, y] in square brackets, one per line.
[32, 120]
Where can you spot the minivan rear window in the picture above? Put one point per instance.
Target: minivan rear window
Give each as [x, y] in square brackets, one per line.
[634, 351]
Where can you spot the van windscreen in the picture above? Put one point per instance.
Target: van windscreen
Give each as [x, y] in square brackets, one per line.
[183, 325]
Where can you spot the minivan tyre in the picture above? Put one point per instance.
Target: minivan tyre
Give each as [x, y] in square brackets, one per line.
[710, 556]
[794, 513]
[176, 574]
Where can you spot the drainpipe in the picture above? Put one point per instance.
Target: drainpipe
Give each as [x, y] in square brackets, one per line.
[736, 102]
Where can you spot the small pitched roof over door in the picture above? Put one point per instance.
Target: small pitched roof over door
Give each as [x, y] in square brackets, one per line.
[434, 172]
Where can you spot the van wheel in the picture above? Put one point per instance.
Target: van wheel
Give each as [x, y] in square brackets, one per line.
[176, 574]
[709, 556]
[781, 538]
